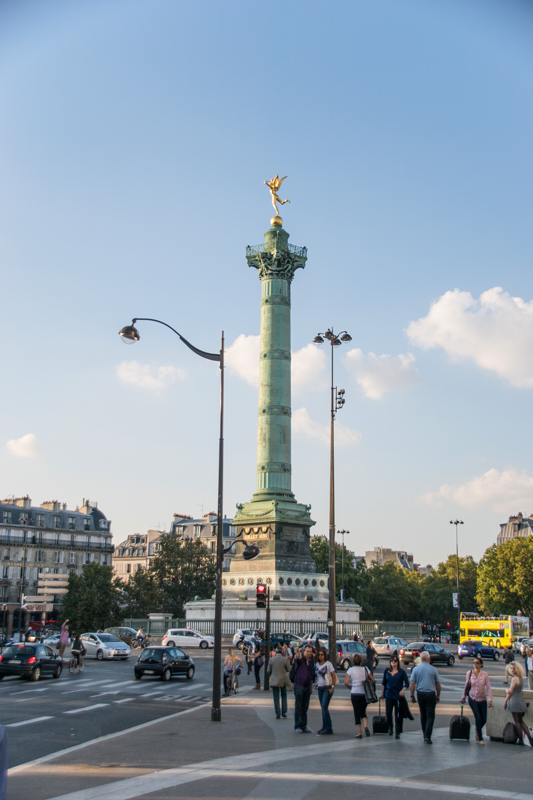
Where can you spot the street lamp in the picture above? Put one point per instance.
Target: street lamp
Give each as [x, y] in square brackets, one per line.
[130, 335]
[342, 533]
[457, 522]
[337, 402]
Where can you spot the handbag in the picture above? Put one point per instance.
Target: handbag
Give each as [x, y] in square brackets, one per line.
[468, 684]
[370, 689]
[328, 679]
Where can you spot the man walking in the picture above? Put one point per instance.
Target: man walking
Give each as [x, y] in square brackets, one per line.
[303, 677]
[529, 667]
[278, 669]
[370, 653]
[508, 657]
[425, 678]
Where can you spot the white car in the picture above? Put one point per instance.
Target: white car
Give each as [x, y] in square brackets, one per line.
[242, 634]
[52, 641]
[186, 637]
[105, 645]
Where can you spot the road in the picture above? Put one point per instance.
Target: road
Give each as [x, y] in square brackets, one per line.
[48, 716]
[44, 717]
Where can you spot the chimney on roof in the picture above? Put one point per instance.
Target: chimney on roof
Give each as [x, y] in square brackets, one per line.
[22, 502]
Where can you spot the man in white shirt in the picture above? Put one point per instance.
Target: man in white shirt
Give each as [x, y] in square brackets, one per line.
[529, 667]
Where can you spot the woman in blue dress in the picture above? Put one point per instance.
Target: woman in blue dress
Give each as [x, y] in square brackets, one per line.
[395, 682]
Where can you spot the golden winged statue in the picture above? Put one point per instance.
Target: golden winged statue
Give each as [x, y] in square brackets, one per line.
[274, 186]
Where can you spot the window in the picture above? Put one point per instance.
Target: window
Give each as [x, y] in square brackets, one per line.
[5, 572]
[87, 524]
[72, 558]
[10, 572]
[87, 558]
[23, 518]
[72, 523]
[128, 567]
[27, 573]
[197, 530]
[39, 520]
[213, 547]
[7, 517]
[40, 556]
[103, 524]
[55, 521]
[36, 573]
[56, 557]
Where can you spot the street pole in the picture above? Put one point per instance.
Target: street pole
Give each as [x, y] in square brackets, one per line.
[267, 636]
[342, 562]
[457, 522]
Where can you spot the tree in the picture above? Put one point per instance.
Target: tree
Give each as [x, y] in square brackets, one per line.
[438, 589]
[181, 570]
[388, 592]
[141, 595]
[320, 552]
[92, 599]
[505, 578]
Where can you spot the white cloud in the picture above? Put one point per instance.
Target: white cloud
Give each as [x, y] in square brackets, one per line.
[303, 424]
[146, 377]
[505, 492]
[307, 365]
[25, 447]
[377, 375]
[496, 332]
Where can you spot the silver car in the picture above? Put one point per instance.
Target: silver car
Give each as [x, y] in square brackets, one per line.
[388, 645]
[105, 645]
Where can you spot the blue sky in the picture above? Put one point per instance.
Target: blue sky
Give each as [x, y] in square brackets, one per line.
[134, 141]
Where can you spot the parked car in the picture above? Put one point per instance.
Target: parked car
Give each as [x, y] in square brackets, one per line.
[437, 654]
[52, 641]
[388, 645]
[186, 637]
[164, 662]
[241, 635]
[105, 645]
[473, 648]
[516, 646]
[124, 634]
[347, 649]
[317, 636]
[30, 661]
[524, 644]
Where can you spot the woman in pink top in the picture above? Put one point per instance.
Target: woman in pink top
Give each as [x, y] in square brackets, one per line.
[478, 695]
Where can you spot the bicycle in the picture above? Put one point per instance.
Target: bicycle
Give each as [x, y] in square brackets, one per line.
[73, 664]
[234, 682]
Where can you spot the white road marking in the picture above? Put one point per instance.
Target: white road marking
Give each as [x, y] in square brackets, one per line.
[87, 708]
[27, 722]
[126, 700]
[193, 687]
[101, 694]
[44, 689]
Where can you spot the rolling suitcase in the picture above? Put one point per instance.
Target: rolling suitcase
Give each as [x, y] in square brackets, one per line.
[379, 723]
[460, 727]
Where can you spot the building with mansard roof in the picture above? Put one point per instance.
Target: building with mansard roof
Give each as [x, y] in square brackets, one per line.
[516, 527]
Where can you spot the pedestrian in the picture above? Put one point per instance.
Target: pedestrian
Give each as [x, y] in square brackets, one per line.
[326, 680]
[508, 657]
[279, 668]
[394, 683]
[231, 665]
[258, 661]
[261, 634]
[354, 679]
[478, 691]
[514, 700]
[370, 653]
[529, 667]
[355, 637]
[302, 676]
[63, 639]
[425, 678]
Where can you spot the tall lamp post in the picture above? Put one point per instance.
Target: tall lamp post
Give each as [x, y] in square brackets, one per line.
[130, 335]
[457, 522]
[343, 533]
[337, 402]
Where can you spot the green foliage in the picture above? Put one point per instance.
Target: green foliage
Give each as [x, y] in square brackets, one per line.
[505, 578]
[352, 573]
[141, 595]
[438, 588]
[182, 569]
[92, 599]
[389, 592]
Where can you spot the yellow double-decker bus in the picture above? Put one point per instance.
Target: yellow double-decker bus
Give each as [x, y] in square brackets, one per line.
[492, 631]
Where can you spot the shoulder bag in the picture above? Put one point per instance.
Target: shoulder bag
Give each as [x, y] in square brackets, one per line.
[468, 684]
[369, 689]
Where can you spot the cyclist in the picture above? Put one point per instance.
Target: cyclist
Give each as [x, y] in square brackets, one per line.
[141, 636]
[77, 650]
[231, 665]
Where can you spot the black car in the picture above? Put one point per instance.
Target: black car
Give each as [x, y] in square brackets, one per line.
[164, 662]
[437, 654]
[30, 661]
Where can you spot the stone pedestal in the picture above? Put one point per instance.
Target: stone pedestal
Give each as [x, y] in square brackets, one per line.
[289, 612]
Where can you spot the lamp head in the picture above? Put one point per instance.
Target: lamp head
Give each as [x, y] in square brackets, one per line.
[129, 334]
[346, 337]
[318, 339]
[250, 551]
[329, 335]
[336, 342]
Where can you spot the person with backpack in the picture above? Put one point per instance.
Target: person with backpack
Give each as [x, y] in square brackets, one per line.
[302, 676]
[355, 678]
[395, 682]
[478, 691]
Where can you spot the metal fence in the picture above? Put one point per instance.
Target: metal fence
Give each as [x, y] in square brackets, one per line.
[368, 629]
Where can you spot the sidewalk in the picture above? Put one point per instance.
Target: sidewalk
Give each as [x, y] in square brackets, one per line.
[251, 754]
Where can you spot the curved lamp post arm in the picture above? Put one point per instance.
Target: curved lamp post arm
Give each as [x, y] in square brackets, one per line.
[201, 353]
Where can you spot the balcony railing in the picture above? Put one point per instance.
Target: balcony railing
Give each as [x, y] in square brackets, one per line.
[35, 542]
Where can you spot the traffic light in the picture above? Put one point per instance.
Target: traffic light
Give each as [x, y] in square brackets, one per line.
[261, 596]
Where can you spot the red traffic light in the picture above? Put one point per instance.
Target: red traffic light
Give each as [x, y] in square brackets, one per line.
[261, 595]
[261, 587]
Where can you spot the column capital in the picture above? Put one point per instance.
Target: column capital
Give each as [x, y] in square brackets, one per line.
[276, 258]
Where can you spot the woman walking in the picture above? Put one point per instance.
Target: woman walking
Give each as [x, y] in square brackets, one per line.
[231, 665]
[395, 682]
[326, 679]
[354, 678]
[258, 660]
[478, 691]
[514, 700]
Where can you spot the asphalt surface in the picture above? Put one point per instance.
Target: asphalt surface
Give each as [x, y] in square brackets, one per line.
[47, 716]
